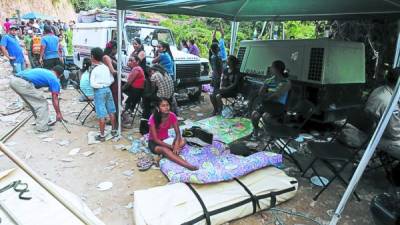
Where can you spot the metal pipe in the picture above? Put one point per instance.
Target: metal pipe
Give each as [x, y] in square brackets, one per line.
[119, 65]
[368, 154]
[13, 157]
[12, 131]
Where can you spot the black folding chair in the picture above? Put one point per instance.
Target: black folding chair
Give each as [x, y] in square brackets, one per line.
[336, 155]
[282, 134]
[89, 102]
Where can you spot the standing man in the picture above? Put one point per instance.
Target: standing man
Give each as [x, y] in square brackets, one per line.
[27, 83]
[221, 44]
[12, 50]
[101, 80]
[49, 55]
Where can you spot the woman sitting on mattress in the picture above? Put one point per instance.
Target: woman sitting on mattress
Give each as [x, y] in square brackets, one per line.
[160, 121]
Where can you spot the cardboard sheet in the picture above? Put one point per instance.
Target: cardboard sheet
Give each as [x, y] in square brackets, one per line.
[42, 209]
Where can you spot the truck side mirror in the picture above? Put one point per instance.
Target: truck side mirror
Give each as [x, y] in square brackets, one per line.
[154, 42]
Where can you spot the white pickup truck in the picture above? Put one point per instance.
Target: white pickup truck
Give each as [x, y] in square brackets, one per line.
[191, 71]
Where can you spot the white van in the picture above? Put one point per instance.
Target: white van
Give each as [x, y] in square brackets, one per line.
[190, 71]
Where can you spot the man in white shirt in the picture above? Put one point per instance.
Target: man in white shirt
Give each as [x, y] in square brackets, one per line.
[100, 81]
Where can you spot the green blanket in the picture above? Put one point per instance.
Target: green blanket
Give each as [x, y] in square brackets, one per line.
[227, 130]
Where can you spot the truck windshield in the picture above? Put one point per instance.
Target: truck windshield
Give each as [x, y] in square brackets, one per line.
[146, 34]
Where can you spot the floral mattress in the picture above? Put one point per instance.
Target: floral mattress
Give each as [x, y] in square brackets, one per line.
[216, 164]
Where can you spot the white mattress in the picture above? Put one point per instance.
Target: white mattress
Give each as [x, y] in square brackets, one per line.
[177, 204]
[42, 209]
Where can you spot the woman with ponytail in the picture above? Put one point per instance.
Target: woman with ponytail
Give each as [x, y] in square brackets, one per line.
[165, 58]
[273, 102]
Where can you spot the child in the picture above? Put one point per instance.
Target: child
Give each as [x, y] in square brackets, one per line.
[159, 123]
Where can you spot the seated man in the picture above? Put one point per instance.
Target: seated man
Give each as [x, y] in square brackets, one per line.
[374, 108]
[273, 102]
[231, 79]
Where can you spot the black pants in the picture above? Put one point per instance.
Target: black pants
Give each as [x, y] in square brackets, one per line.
[134, 97]
[50, 64]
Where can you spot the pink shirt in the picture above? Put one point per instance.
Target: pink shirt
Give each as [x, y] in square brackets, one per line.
[162, 131]
[7, 26]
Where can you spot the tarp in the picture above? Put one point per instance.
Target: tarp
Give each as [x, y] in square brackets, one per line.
[245, 10]
[34, 15]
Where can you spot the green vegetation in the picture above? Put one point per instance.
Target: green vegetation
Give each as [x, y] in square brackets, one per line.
[89, 4]
[201, 29]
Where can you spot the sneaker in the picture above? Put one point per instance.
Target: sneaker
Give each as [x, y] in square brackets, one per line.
[114, 133]
[100, 137]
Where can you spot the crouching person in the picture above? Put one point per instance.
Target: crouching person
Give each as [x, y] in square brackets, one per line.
[160, 121]
[100, 80]
[27, 83]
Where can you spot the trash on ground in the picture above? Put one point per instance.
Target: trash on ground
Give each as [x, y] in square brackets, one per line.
[121, 147]
[67, 160]
[28, 155]
[317, 181]
[88, 153]
[104, 186]
[11, 143]
[63, 143]
[128, 173]
[48, 139]
[129, 206]
[74, 151]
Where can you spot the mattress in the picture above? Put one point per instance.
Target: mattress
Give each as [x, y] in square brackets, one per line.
[215, 204]
[216, 164]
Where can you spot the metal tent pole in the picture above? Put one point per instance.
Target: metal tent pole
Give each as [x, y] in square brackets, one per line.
[120, 21]
[369, 151]
[234, 29]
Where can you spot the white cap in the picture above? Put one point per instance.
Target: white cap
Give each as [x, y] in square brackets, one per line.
[36, 26]
[30, 31]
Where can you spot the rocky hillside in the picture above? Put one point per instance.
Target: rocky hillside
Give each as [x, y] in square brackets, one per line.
[59, 9]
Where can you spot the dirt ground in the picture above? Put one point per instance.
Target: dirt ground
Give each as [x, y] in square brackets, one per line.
[80, 174]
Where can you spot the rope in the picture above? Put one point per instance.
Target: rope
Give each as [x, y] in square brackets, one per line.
[279, 221]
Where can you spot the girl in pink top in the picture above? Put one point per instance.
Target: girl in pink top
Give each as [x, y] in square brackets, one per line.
[160, 121]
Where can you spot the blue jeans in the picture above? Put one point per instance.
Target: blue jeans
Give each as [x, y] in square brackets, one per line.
[103, 102]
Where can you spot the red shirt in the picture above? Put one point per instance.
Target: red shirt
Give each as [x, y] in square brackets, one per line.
[138, 75]
[7, 26]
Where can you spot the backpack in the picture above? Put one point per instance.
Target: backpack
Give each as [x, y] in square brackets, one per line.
[36, 45]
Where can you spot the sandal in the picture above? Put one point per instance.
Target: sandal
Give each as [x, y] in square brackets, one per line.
[145, 163]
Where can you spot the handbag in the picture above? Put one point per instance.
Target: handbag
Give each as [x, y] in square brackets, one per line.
[197, 136]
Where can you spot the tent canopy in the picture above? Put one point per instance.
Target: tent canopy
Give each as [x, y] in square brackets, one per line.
[33, 15]
[246, 10]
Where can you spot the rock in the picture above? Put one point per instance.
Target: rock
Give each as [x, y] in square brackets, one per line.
[330, 212]
[104, 186]
[88, 153]
[74, 151]
[312, 204]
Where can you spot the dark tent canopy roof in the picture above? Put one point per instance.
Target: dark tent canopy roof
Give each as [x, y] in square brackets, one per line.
[245, 10]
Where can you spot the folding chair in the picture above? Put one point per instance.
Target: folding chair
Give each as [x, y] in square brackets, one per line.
[137, 111]
[89, 102]
[289, 131]
[337, 155]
